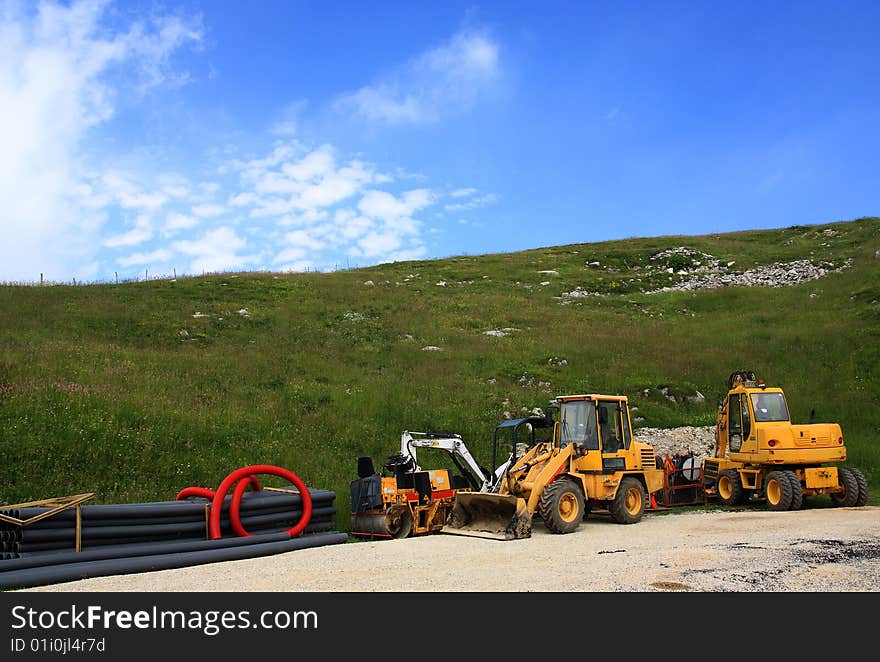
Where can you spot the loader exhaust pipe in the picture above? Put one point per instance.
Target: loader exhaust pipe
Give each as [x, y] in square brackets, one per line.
[494, 516]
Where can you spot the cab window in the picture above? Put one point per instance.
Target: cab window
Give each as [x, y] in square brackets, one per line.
[769, 407]
[734, 424]
[746, 419]
[578, 424]
[610, 428]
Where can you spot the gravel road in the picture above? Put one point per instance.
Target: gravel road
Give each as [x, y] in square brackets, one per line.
[819, 549]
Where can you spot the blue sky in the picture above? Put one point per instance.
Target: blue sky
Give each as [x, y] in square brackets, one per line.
[156, 138]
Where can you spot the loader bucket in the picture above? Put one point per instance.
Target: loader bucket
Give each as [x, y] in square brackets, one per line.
[497, 516]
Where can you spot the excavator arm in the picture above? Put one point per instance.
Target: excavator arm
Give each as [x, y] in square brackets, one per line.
[455, 446]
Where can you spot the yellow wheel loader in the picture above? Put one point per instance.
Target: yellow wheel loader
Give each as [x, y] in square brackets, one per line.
[759, 452]
[589, 461]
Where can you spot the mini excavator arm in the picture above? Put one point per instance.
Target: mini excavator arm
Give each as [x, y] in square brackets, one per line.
[454, 445]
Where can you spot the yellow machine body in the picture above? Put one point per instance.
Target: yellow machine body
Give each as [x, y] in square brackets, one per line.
[758, 450]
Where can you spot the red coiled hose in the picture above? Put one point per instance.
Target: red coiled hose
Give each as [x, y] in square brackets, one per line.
[238, 476]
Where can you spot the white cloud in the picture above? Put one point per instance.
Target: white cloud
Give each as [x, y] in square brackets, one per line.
[387, 207]
[464, 192]
[290, 182]
[303, 239]
[217, 250]
[141, 232]
[313, 165]
[208, 210]
[474, 203]
[176, 221]
[61, 68]
[450, 77]
[378, 243]
[157, 257]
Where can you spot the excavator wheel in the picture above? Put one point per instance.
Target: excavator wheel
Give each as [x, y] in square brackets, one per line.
[730, 488]
[629, 502]
[863, 487]
[777, 490]
[850, 483]
[561, 506]
[797, 492]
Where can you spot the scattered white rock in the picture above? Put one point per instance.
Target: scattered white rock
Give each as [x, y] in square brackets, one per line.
[579, 293]
[368, 282]
[244, 312]
[550, 272]
[198, 314]
[351, 316]
[431, 348]
[495, 332]
[441, 283]
[546, 282]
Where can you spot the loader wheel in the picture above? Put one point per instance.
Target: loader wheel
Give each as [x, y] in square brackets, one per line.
[561, 506]
[629, 502]
[863, 487]
[730, 488]
[850, 495]
[797, 492]
[777, 490]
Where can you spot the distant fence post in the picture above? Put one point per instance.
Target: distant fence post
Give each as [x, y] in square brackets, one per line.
[116, 273]
[41, 279]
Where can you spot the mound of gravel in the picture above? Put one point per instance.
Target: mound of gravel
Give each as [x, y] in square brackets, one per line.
[679, 441]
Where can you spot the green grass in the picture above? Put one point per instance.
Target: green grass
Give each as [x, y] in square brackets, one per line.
[121, 391]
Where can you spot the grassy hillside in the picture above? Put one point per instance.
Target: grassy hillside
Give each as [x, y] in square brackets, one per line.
[134, 391]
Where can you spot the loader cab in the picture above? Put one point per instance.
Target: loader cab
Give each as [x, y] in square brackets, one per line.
[595, 423]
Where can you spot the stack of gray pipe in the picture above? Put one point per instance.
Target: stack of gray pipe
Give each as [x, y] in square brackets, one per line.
[124, 538]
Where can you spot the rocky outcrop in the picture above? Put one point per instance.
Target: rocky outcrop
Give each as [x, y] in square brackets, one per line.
[782, 274]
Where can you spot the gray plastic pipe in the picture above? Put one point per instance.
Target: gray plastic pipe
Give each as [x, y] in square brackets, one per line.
[40, 576]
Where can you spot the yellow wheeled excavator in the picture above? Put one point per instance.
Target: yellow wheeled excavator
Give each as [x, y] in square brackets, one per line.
[589, 462]
[759, 452]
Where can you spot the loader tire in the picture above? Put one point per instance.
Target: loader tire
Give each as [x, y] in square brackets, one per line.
[628, 505]
[777, 490]
[863, 487]
[561, 506]
[850, 495]
[730, 488]
[797, 492]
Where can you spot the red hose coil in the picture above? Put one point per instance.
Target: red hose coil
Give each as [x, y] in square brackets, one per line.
[235, 521]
